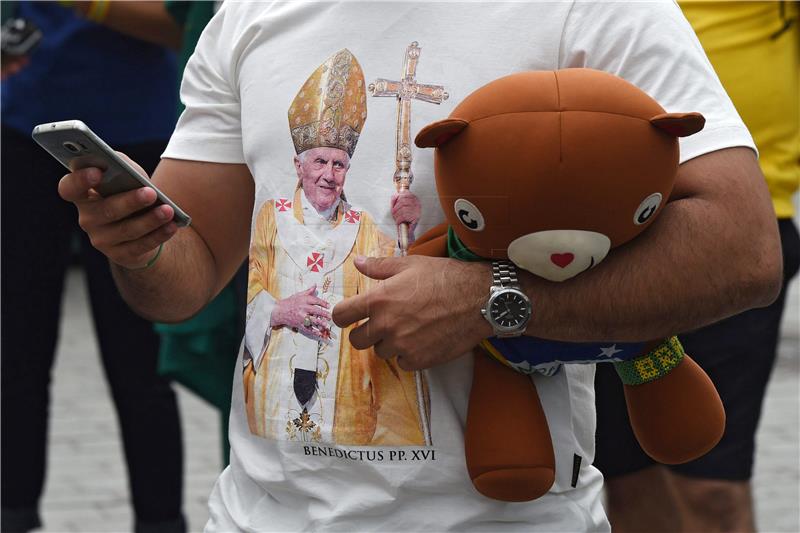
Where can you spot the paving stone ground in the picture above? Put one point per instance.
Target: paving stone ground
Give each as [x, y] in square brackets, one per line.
[87, 486]
[86, 478]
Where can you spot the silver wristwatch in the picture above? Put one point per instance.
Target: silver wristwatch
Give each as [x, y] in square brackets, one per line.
[508, 309]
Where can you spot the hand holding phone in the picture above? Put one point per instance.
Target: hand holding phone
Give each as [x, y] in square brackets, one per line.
[77, 147]
[126, 217]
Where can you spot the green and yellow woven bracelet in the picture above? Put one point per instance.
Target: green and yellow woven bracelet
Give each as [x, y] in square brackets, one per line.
[653, 365]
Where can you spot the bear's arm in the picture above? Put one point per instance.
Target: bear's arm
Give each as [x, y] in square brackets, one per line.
[432, 243]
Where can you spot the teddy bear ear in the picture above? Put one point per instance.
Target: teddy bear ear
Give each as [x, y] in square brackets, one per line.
[438, 133]
[679, 124]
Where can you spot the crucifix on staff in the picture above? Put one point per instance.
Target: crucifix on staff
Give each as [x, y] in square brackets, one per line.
[406, 90]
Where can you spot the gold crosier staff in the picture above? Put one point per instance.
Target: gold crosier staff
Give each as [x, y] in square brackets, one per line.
[406, 90]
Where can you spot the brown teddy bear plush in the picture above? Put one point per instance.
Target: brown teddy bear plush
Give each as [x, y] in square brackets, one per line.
[552, 170]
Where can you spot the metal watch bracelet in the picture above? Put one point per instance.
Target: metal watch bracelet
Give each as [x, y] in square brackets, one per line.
[504, 274]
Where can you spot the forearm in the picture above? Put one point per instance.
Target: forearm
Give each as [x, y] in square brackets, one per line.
[199, 260]
[178, 285]
[701, 261]
[654, 288]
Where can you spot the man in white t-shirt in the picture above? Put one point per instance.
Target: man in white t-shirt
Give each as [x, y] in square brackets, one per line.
[713, 251]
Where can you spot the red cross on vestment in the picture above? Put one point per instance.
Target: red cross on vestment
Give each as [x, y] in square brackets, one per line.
[352, 216]
[315, 261]
[283, 204]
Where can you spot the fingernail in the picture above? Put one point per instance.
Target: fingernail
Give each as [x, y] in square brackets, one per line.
[163, 212]
[142, 194]
[94, 177]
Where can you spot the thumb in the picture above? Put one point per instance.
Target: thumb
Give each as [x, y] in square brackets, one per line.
[379, 267]
[312, 289]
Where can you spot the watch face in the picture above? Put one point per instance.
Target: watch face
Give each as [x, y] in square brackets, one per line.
[509, 309]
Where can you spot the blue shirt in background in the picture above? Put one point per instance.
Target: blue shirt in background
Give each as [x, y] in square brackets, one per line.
[121, 87]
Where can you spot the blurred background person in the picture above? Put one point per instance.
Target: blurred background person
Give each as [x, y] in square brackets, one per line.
[124, 89]
[754, 48]
[199, 353]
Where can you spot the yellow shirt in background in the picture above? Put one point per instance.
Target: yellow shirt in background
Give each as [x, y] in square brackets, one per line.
[755, 49]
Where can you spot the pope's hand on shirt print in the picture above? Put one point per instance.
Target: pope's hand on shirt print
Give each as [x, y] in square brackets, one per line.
[406, 209]
[304, 313]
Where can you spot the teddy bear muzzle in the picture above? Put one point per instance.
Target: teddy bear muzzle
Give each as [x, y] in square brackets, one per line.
[558, 255]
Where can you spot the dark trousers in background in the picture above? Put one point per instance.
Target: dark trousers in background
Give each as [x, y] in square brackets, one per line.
[38, 229]
[738, 354]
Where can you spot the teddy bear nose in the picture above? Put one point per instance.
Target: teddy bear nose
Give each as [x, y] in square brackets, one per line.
[562, 260]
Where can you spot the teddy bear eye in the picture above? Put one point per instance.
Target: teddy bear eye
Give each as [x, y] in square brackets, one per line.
[647, 209]
[469, 215]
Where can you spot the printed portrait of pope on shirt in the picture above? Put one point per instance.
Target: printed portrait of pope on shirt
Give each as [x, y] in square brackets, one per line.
[303, 379]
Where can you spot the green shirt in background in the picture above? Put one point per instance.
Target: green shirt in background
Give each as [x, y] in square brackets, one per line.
[193, 16]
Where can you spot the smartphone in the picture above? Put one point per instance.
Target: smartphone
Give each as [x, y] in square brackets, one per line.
[73, 144]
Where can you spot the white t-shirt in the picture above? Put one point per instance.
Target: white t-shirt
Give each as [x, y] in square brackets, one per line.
[249, 65]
